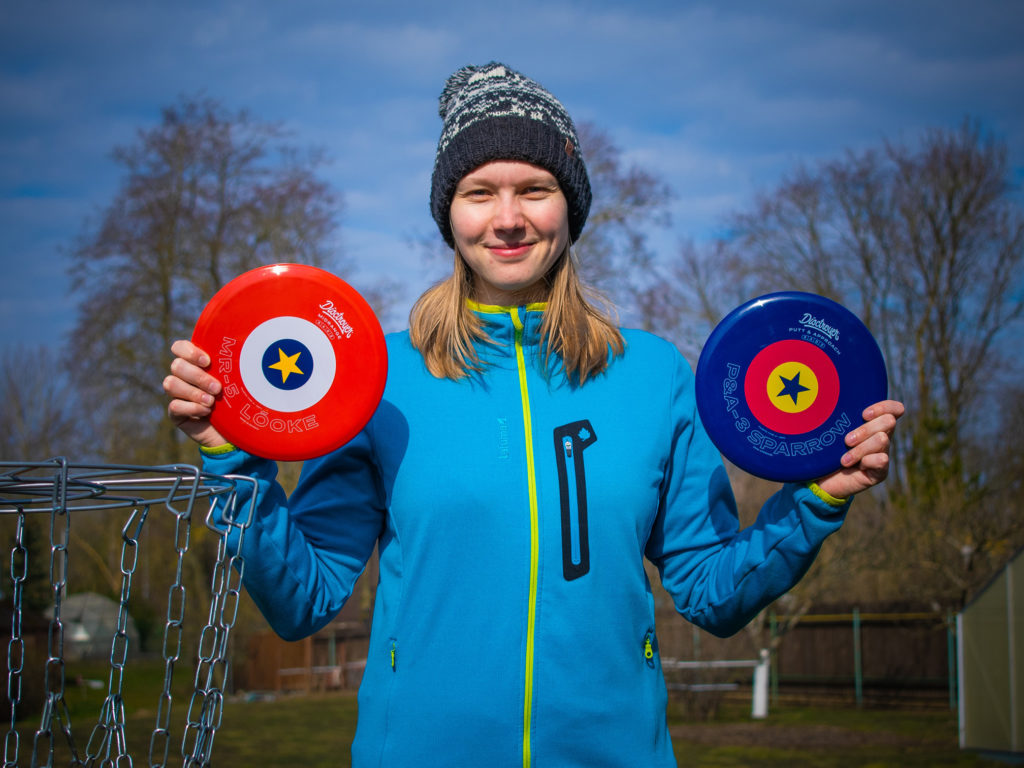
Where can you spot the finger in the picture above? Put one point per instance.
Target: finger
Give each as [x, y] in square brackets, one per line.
[189, 352]
[892, 407]
[884, 423]
[186, 410]
[191, 373]
[876, 444]
[875, 464]
[179, 389]
[873, 471]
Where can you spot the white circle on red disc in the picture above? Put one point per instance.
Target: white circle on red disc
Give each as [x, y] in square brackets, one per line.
[301, 358]
[264, 338]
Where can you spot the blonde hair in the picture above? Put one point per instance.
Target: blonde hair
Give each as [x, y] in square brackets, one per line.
[578, 327]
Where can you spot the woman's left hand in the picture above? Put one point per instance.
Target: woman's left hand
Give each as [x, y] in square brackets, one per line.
[866, 463]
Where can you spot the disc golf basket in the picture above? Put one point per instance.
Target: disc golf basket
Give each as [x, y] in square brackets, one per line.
[58, 491]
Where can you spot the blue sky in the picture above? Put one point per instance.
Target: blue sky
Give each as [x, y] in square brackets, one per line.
[720, 99]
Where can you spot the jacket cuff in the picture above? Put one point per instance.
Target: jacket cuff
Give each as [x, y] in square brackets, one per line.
[828, 498]
[218, 450]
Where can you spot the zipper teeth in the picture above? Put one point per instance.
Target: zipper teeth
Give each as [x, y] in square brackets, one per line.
[534, 537]
[575, 556]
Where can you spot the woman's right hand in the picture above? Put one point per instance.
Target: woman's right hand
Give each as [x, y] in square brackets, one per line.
[192, 391]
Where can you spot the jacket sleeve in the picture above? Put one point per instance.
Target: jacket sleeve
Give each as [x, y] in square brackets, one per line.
[303, 553]
[719, 576]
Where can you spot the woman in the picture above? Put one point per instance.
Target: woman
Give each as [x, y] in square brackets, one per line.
[526, 457]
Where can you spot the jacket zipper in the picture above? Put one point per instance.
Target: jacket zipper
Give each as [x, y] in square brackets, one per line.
[574, 504]
[534, 536]
[570, 442]
[649, 649]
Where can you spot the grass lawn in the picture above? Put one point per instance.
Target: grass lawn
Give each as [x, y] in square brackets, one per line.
[824, 737]
[315, 731]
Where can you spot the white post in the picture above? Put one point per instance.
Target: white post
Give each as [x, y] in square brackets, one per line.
[759, 707]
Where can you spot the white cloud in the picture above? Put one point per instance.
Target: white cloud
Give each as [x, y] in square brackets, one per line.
[720, 99]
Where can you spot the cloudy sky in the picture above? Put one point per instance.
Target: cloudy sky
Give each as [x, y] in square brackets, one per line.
[720, 99]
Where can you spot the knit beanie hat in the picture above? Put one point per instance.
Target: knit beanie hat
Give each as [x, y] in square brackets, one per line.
[495, 113]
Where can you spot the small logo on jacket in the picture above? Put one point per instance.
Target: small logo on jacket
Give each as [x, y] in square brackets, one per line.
[503, 438]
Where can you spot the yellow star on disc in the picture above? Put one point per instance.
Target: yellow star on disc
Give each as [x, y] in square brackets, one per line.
[792, 387]
[286, 364]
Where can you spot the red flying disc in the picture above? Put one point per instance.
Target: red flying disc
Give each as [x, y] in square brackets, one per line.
[301, 357]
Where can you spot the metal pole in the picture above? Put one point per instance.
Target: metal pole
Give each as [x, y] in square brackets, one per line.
[858, 674]
[951, 657]
[1011, 643]
[773, 624]
[961, 704]
[759, 705]
[699, 677]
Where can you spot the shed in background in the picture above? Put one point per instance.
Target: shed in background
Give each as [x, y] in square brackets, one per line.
[990, 632]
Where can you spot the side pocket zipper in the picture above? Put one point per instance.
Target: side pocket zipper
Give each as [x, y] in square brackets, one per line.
[649, 649]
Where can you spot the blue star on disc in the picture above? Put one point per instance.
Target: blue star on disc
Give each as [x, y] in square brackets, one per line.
[793, 388]
[287, 364]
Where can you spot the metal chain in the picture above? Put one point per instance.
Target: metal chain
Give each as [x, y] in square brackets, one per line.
[160, 739]
[107, 743]
[16, 647]
[206, 706]
[55, 706]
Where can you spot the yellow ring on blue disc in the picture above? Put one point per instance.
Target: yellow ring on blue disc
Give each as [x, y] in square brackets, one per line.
[790, 377]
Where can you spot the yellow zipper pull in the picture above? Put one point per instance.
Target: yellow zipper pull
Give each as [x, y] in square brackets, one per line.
[648, 648]
[393, 644]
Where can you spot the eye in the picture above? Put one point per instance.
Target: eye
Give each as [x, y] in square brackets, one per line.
[535, 191]
[474, 193]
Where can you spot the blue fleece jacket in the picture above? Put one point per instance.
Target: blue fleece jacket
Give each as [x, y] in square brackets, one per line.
[514, 621]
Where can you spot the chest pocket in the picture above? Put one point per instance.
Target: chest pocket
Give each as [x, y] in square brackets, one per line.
[570, 442]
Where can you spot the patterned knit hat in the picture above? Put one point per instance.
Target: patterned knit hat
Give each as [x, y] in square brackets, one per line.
[495, 113]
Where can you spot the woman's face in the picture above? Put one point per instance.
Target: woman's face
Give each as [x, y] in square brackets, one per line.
[510, 222]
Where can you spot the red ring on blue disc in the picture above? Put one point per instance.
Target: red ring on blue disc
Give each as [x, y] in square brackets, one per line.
[782, 380]
[766, 387]
[301, 357]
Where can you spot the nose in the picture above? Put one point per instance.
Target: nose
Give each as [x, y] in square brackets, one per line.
[508, 214]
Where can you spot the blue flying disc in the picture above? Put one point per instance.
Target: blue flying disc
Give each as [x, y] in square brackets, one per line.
[782, 380]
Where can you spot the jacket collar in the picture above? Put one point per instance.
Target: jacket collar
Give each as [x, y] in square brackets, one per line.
[502, 324]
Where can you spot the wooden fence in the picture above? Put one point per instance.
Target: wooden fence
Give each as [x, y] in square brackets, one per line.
[875, 654]
[870, 656]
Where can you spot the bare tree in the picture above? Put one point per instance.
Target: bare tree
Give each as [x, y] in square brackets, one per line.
[926, 244]
[206, 194]
[703, 283]
[40, 412]
[629, 202]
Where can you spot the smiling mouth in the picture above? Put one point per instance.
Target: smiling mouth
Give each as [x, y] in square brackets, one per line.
[508, 250]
